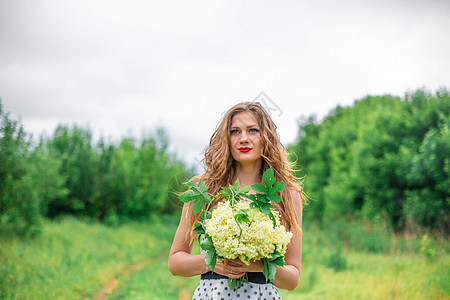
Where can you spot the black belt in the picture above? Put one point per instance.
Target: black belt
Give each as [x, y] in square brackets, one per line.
[254, 277]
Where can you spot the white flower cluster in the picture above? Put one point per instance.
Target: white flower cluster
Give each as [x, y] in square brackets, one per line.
[258, 239]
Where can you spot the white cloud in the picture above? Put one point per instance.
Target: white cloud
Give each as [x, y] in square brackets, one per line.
[121, 66]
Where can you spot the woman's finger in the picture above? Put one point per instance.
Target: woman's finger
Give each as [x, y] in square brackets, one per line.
[235, 275]
[233, 263]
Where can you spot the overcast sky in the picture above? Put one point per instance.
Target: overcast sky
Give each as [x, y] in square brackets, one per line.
[124, 67]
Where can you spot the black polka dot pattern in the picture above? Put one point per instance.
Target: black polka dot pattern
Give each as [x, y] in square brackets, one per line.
[218, 289]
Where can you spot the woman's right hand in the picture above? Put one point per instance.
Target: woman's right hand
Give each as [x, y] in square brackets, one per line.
[226, 269]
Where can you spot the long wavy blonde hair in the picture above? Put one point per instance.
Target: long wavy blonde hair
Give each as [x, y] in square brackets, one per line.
[220, 165]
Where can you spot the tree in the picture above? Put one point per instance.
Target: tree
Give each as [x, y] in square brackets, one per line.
[73, 147]
[383, 157]
[19, 202]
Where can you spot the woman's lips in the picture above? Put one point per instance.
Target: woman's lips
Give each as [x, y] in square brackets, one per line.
[244, 149]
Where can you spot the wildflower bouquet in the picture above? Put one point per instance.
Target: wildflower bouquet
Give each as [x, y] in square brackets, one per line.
[246, 229]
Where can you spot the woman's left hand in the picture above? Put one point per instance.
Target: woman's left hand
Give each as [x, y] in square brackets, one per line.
[237, 266]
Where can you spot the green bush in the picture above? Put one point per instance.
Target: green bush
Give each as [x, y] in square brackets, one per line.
[384, 157]
[20, 204]
[427, 248]
[337, 260]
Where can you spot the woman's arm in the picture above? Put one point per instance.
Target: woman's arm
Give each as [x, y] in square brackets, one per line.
[183, 263]
[288, 277]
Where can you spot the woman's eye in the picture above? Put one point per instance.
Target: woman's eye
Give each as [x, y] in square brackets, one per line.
[234, 131]
[254, 130]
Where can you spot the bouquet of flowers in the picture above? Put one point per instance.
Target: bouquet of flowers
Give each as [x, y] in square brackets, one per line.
[244, 226]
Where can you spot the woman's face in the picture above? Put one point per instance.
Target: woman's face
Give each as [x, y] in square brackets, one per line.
[245, 138]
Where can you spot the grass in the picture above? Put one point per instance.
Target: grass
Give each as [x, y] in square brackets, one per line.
[73, 259]
[76, 260]
[375, 276]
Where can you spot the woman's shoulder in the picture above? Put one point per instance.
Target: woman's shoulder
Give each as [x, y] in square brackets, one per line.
[296, 195]
[294, 190]
[195, 178]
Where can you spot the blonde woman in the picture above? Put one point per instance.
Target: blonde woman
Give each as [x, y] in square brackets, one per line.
[244, 145]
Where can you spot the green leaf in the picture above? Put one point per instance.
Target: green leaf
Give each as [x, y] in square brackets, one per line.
[193, 185]
[262, 198]
[278, 187]
[199, 228]
[280, 261]
[234, 283]
[237, 185]
[206, 214]
[268, 178]
[244, 191]
[272, 217]
[202, 185]
[198, 205]
[241, 216]
[275, 255]
[266, 211]
[266, 270]
[254, 205]
[226, 190]
[260, 188]
[266, 208]
[206, 197]
[251, 197]
[237, 191]
[274, 198]
[211, 259]
[272, 270]
[207, 244]
[187, 196]
[233, 201]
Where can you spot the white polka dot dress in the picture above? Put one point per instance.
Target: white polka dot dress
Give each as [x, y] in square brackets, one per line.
[218, 289]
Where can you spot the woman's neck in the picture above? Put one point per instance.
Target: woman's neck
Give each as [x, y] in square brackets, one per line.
[248, 174]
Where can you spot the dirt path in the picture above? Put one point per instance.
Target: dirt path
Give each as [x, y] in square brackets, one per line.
[125, 274]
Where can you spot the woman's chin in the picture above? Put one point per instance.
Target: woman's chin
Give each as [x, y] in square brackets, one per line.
[247, 159]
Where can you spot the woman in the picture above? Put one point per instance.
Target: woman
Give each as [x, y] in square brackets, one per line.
[243, 146]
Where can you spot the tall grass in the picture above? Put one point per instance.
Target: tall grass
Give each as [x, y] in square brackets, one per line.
[353, 260]
[74, 259]
[348, 260]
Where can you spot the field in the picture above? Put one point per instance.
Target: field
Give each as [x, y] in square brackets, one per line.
[75, 259]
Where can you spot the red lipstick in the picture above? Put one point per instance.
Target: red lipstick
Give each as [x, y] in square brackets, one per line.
[244, 149]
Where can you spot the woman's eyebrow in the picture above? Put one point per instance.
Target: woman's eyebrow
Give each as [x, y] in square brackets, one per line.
[249, 126]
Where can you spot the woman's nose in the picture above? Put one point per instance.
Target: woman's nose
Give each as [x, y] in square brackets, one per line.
[244, 136]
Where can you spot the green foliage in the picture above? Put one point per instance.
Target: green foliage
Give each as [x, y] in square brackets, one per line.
[67, 174]
[48, 183]
[202, 201]
[22, 184]
[141, 176]
[382, 158]
[198, 194]
[73, 147]
[266, 193]
[270, 265]
[337, 261]
[427, 248]
[114, 183]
